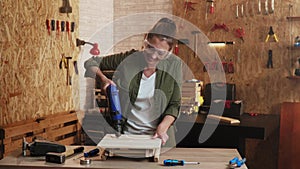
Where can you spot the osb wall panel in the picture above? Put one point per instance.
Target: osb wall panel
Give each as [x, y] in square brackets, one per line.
[31, 82]
[261, 89]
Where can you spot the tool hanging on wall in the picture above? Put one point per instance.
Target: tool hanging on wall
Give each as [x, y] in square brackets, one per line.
[66, 8]
[195, 33]
[237, 11]
[272, 6]
[65, 63]
[270, 59]
[220, 26]
[242, 10]
[52, 25]
[48, 26]
[230, 66]
[72, 29]
[224, 66]
[259, 6]
[188, 6]
[271, 34]
[211, 6]
[240, 33]
[176, 49]
[266, 7]
[62, 28]
[57, 28]
[68, 29]
[75, 64]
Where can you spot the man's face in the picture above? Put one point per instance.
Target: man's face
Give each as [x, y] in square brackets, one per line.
[156, 49]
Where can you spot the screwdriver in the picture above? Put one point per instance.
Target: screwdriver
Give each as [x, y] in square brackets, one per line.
[173, 162]
[48, 26]
[90, 153]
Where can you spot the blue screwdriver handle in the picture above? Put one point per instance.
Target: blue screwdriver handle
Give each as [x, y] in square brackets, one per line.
[91, 153]
[234, 160]
[172, 162]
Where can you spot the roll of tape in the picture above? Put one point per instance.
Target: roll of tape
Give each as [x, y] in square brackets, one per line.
[85, 161]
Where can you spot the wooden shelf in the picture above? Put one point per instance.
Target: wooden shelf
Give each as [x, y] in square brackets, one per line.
[294, 77]
[294, 47]
[293, 18]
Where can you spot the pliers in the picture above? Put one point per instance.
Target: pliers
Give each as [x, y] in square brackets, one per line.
[271, 33]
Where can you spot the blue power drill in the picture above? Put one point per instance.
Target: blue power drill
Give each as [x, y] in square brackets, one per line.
[115, 108]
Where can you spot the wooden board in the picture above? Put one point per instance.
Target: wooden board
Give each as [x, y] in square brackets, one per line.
[136, 146]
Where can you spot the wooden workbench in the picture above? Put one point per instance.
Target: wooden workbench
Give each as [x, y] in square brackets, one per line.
[209, 158]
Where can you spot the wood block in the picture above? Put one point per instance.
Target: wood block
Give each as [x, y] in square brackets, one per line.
[223, 119]
[136, 146]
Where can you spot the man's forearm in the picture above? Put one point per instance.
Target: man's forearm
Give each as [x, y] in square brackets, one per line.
[164, 125]
[98, 72]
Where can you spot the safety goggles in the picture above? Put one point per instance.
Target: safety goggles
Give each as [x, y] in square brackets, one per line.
[151, 49]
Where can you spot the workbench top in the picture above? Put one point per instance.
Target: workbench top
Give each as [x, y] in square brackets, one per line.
[209, 158]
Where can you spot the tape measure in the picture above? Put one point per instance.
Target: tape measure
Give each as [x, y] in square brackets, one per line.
[85, 161]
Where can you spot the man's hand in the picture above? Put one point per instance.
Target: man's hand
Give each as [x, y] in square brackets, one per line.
[163, 136]
[105, 82]
[162, 128]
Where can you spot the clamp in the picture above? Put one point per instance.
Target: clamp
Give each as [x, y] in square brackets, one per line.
[235, 162]
[271, 33]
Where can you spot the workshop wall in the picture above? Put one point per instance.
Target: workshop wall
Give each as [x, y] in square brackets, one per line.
[133, 7]
[31, 81]
[94, 16]
[262, 89]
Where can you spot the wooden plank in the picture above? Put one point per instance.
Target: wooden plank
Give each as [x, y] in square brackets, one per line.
[68, 141]
[63, 119]
[13, 146]
[30, 126]
[19, 130]
[62, 131]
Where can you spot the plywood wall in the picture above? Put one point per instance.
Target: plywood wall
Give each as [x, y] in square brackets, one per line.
[31, 82]
[261, 89]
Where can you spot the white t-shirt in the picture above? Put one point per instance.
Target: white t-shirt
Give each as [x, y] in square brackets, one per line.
[144, 120]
